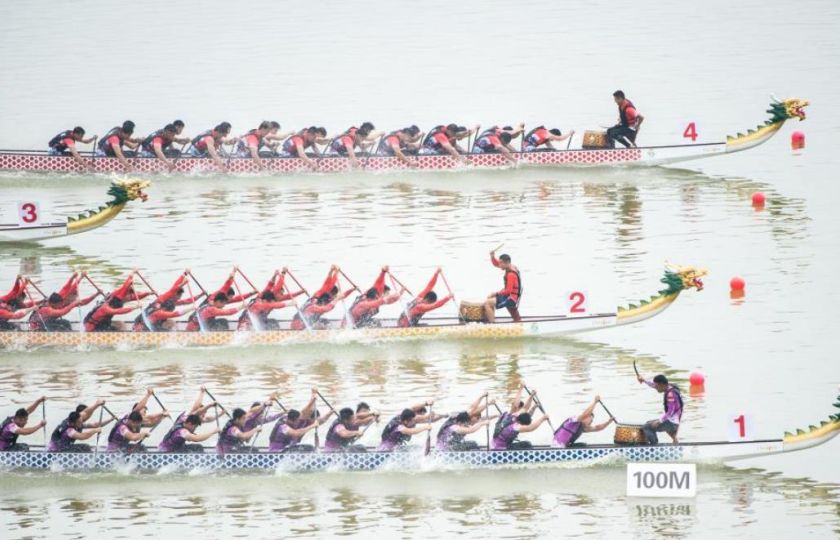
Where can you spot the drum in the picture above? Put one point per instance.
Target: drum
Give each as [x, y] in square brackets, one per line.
[594, 140]
[472, 312]
[629, 434]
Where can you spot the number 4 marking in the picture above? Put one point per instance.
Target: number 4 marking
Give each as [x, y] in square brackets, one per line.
[690, 132]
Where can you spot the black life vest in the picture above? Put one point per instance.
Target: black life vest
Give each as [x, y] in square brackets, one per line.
[446, 436]
[429, 141]
[332, 438]
[168, 439]
[384, 147]
[60, 438]
[365, 318]
[115, 438]
[228, 441]
[415, 319]
[11, 439]
[56, 144]
[311, 318]
[277, 434]
[262, 316]
[103, 142]
[504, 421]
[677, 395]
[98, 321]
[147, 142]
[622, 113]
[390, 433]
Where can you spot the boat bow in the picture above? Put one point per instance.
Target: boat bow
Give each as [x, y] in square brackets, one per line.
[815, 435]
[780, 112]
[121, 191]
[676, 280]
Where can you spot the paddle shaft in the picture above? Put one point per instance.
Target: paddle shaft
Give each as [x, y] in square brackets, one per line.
[350, 281]
[540, 406]
[197, 283]
[428, 448]
[195, 306]
[30, 282]
[606, 409]
[143, 279]
[248, 281]
[448, 288]
[327, 403]
[636, 369]
[257, 436]
[44, 418]
[400, 283]
[96, 447]
[211, 396]
[291, 275]
[487, 417]
[282, 408]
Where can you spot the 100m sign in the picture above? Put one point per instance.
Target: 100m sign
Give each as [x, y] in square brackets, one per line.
[661, 480]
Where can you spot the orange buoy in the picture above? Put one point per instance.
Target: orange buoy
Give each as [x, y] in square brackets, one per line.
[797, 140]
[758, 199]
[737, 284]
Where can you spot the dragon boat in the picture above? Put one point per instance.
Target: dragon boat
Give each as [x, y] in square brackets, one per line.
[780, 111]
[261, 460]
[676, 280]
[121, 192]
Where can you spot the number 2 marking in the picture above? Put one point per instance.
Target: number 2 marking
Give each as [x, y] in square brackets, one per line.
[742, 431]
[578, 299]
[29, 213]
[690, 132]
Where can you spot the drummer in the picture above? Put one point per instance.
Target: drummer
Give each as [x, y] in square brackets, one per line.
[575, 426]
[629, 121]
[509, 296]
[14, 426]
[673, 405]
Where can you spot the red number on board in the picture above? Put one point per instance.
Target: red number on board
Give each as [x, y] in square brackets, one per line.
[578, 299]
[29, 213]
[742, 432]
[690, 132]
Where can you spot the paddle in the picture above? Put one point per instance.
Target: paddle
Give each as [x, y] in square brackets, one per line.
[428, 448]
[248, 281]
[395, 282]
[636, 369]
[296, 283]
[539, 405]
[257, 436]
[487, 416]
[454, 300]
[146, 283]
[195, 306]
[497, 248]
[211, 396]
[568, 144]
[197, 283]
[350, 281]
[94, 285]
[44, 418]
[608, 411]
[162, 409]
[327, 403]
[400, 283]
[96, 448]
[317, 438]
[37, 309]
[277, 401]
[30, 282]
[471, 143]
[297, 307]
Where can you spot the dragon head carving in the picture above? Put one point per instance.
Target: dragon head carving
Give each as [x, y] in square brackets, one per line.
[679, 278]
[788, 108]
[128, 189]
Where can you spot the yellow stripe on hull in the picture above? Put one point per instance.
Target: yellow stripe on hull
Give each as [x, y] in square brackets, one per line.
[743, 142]
[97, 220]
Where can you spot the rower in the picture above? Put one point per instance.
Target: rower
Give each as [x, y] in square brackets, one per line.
[199, 409]
[257, 414]
[399, 430]
[249, 144]
[509, 296]
[425, 302]
[258, 310]
[209, 143]
[159, 317]
[629, 121]
[18, 290]
[273, 139]
[672, 404]
[148, 419]
[397, 143]
[157, 143]
[366, 306]
[451, 435]
[66, 141]
[14, 426]
[49, 317]
[182, 433]
[539, 139]
[127, 435]
[9, 313]
[345, 429]
[206, 317]
[288, 431]
[277, 286]
[496, 141]
[176, 292]
[179, 128]
[346, 143]
[111, 145]
[517, 419]
[322, 301]
[297, 144]
[443, 140]
[101, 317]
[74, 428]
[573, 427]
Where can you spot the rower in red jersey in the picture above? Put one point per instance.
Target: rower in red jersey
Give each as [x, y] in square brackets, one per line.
[176, 292]
[322, 301]
[101, 317]
[159, 317]
[257, 313]
[156, 144]
[425, 302]
[111, 145]
[444, 140]
[398, 143]
[9, 313]
[366, 306]
[496, 140]
[17, 290]
[209, 143]
[271, 142]
[540, 138]
[510, 295]
[206, 318]
[363, 138]
[65, 142]
[297, 145]
[250, 143]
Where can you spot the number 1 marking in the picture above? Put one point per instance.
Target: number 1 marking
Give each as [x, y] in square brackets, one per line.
[741, 428]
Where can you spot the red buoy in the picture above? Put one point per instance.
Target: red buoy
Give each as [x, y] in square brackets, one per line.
[758, 199]
[797, 140]
[696, 378]
[737, 284]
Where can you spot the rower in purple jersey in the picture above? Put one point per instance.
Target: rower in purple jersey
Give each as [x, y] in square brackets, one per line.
[127, 435]
[14, 426]
[288, 431]
[451, 435]
[258, 413]
[573, 427]
[672, 404]
[233, 436]
[76, 428]
[181, 438]
[517, 419]
[347, 428]
[412, 421]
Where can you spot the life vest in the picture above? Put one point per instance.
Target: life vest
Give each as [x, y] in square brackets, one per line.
[147, 142]
[622, 113]
[197, 318]
[404, 319]
[504, 421]
[143, 322]
[116, 439]
[672, 389]
[7, 439]
[503, 434]
[340, 143]
[198, 141]
[365, 318]
[96, 319]
[39, 323]
[517, 292]
[311, 318]
[227, 441]
[446, 437]
[261, 316]
[569, 432]
[430, 142]
[173, 441]
[536, 137]
[60, 441]
[278, 436]
[103, 143]
[241, 145]
[392, 436]
[384, 147]
[289, 145]
[333, 441]
[56, 142]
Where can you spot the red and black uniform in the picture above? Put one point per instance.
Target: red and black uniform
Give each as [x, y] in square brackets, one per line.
[114, 138]
[345, 141]
[202, 141]
[259, 309]
[17, 289]
[390, 143]
[160, 138]
[536, 138]
[290, 145]
[209, 320]
[152, 319]
[62, 142]
[365, 309]
[436, 137]
[252, 139]
[100, 318]
[311, 309]
[416, 309]
[509, 296]
[47, 318]
[8, 314]
[174, 291]
[625, 131]
[489, 140]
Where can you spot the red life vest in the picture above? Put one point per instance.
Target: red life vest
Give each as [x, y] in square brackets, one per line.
[386, 145]
[199, 142]
[536, 136]
[105, 146]
[430, 141]
[97, 318]
[517, 291]
[57, 142]
[148, 142]
[622, 113]
[346, 140]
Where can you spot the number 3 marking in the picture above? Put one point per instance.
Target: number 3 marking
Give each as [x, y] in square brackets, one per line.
[690, 132]
[29, 213]
[578, 299]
